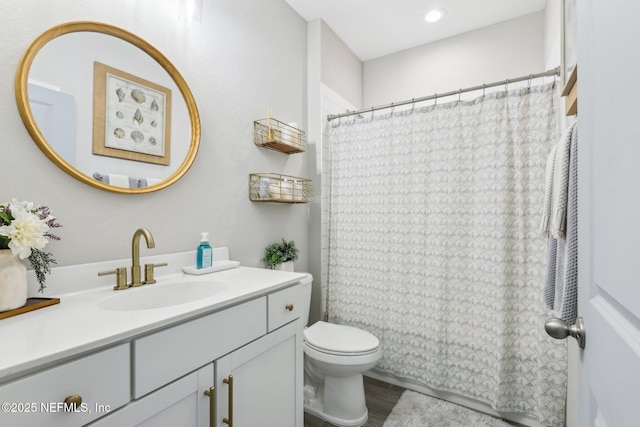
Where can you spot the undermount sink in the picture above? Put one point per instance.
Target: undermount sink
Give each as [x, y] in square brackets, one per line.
[148, 297]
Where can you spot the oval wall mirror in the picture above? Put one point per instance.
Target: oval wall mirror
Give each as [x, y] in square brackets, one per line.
[107, 107]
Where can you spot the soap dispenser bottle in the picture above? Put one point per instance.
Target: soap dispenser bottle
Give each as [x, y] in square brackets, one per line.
[205, 252]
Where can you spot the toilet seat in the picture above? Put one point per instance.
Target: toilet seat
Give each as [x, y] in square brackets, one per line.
[340, 340]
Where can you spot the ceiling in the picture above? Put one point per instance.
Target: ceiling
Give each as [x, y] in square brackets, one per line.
[375, 28]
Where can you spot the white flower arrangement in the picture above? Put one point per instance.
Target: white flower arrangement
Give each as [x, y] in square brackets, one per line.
[25, 230]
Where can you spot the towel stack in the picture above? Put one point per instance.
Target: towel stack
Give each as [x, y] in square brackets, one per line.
[117, 180]
[560, 225]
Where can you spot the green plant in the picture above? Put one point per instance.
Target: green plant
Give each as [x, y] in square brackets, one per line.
[279, 252]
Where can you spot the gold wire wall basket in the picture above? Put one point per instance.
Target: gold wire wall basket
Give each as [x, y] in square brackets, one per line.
[274, 187]
[279, 136]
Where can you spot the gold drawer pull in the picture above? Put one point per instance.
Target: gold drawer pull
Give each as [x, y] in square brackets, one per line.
[230, 419]
[72, 403]
[212, 405]
[289, 307]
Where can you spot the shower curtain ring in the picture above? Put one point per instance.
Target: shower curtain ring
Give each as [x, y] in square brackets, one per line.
[413, 104]
[436, 99]
[459, 94]
[530, 79]
[393, 107]
[506, 85]
[371, 113]
[484, 86]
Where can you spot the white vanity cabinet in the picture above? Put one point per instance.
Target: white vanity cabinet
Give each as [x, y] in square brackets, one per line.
[241, 344]
[101, 380]
[247, 358]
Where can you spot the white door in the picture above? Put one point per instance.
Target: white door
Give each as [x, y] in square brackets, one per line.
[55, 114]
[609, 218]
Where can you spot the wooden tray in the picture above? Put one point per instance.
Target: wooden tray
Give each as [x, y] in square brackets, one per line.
[32, 304]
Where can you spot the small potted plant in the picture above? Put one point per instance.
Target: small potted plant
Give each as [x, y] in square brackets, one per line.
[281, 255]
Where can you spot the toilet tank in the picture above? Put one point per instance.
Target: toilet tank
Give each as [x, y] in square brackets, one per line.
[306, 284]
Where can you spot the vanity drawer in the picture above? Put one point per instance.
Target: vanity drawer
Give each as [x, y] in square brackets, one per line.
[167, 355]
[285, 306]
[101, 380]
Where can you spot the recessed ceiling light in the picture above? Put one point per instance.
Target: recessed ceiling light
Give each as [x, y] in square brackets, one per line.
[434, 15]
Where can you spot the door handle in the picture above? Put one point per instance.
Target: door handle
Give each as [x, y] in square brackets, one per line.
[229, 420]
[558, 329]
[212, 405]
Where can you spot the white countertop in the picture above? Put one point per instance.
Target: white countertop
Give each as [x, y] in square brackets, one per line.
[77, 325]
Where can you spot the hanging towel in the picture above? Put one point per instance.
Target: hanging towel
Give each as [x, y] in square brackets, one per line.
[550, 278]
[558, 225]
[567, 305]
[548, 191]
[561, 284]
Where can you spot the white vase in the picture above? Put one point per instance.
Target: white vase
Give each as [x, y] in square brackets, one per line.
[285, 266]
[13, 281]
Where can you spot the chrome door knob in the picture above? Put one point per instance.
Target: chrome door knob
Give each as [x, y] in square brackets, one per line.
[558, 329]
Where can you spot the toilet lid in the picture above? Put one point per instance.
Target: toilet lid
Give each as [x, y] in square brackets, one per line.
[340, 338]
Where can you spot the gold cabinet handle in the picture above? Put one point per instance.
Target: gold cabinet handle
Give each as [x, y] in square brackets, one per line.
[230, 419]
[289, 307]
[212, 405]
[72, 403]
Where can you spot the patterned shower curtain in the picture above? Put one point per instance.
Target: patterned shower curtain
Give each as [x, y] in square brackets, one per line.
[434, 246]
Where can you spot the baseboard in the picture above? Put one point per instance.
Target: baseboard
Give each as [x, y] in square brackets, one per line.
[514, 418]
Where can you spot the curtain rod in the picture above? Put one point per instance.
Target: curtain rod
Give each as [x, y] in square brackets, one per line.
[553, 72]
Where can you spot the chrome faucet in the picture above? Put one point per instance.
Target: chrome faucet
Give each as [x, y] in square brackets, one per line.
[135, 251]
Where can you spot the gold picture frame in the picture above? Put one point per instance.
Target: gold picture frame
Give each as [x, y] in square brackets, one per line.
[131, 117]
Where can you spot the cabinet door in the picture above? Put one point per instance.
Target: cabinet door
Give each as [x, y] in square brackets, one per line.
[181, 403]
[261, 383]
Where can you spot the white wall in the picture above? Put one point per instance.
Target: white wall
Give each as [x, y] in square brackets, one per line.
[243, 57]
[341, 68]
[508, 49]
[331, 64]
[552, 28]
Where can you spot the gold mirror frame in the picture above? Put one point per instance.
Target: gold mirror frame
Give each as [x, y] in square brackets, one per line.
[24, 108]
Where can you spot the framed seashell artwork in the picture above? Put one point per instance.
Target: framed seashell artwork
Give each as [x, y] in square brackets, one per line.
[131, 116]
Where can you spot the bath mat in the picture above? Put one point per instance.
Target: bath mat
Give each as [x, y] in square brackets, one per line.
[418, 410]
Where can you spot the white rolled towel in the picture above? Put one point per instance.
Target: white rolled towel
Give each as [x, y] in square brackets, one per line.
[119, 180]
[286, 189]
[274, 190]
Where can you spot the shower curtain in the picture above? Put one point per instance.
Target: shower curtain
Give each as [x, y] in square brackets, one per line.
[434, 246]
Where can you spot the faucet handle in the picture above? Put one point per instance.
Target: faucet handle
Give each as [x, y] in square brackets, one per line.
[121, 277]
[149, 271]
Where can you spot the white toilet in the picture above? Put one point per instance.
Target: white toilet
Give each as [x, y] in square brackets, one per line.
[335, 356]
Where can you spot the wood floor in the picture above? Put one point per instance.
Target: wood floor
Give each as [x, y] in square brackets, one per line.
[381, 398]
